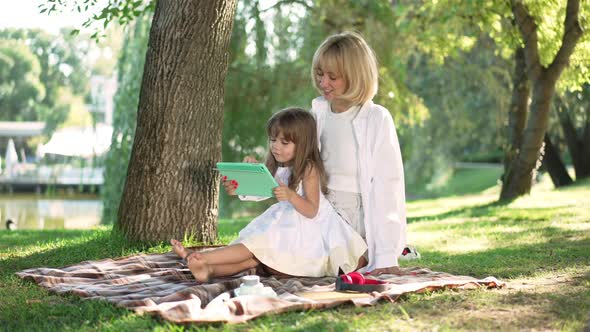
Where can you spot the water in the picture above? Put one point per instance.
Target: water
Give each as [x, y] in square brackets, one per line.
[40, 212]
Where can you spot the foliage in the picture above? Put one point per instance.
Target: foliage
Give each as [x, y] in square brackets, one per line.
[496, 19]
[445, 69]
[260, 81]
[60, 72]
[21, 89]
[468, 104]
[121, 12]
[126, 100]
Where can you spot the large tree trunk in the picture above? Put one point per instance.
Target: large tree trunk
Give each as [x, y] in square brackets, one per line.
[518, 178]
[171, 187]
[554, 165]
[579, 147]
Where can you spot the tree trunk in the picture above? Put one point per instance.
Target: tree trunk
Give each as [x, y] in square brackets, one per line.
[579, 148]
[519, 178]
[518, 110]
[554, 165]
[171, 187]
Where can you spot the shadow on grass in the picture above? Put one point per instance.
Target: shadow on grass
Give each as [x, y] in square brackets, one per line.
[514, 261]
[561, 309]
[26, 306]
[30, 307]
[557, 249]
[468, 211]
[29, 238]
[85, 245]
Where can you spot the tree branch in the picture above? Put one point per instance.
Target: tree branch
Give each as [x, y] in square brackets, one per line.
[528, 30]
[288, 2]
[572, 32]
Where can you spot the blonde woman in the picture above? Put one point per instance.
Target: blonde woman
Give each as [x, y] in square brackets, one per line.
[360, 148]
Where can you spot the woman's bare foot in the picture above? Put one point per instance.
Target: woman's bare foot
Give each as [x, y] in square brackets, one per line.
[362, 263]
[179, 249]
[199, 267]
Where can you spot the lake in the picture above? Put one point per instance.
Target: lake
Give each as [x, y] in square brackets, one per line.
[40, 212]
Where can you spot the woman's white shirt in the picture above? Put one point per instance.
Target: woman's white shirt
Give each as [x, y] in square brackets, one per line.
[340, 145]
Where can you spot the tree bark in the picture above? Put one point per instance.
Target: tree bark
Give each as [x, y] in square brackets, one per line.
[554, 165]
[171, 188]
[518, 110]
[518, 179]
[579, 147]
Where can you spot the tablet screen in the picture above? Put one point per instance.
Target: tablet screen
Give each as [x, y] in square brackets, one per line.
[253, 179]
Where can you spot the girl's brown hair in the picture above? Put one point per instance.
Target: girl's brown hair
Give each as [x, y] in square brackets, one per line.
[298, 126]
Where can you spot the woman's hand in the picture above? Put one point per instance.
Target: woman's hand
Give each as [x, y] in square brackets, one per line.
[230, 186]
[283, 193]
[250, 159]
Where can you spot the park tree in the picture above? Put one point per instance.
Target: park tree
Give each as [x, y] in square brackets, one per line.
[543, 77]
[574, 117]
[541, 36]
[21, 89]
[61, 73]
[171, 187]
[571, 131]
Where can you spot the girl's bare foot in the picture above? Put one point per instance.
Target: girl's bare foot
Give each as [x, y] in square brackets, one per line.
[199, 267]
[178, 248]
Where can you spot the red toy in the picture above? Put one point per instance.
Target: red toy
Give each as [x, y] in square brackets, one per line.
[355, 281]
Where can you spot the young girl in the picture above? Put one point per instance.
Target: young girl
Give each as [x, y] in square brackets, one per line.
[302, 234]
[360, 149]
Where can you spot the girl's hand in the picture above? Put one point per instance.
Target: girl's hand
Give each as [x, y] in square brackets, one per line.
[250, 159]
[283, 193]
[230, 186]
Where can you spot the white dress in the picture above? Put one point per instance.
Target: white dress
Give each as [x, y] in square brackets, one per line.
[286, 241]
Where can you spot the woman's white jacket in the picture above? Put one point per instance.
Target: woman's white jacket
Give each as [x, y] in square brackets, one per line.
[381, 180]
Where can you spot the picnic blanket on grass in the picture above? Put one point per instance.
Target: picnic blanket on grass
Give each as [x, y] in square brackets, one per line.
[162, 285]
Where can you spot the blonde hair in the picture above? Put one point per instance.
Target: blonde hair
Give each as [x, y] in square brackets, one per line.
[298, 126]
[349, 55]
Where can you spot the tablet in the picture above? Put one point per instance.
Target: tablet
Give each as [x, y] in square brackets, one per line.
[253, 179]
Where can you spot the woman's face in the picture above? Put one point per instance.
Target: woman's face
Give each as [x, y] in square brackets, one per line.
[331, 83]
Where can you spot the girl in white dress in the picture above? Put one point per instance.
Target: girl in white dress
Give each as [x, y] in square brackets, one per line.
[301, 235]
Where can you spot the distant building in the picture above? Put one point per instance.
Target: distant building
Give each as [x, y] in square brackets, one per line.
[102, 92]
[19, 132]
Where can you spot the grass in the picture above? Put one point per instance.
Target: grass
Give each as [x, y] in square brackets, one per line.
[539, 244]
[458, 182]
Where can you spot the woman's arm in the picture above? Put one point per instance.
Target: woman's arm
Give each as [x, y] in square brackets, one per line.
[388, 210]
[308, 206]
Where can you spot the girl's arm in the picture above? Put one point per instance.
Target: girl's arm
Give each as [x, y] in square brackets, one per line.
[308, 206]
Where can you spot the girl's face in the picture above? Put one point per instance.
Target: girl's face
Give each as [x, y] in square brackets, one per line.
[281, 149]
[331, 83]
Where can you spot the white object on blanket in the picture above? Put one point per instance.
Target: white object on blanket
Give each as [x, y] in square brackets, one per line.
[251, 286]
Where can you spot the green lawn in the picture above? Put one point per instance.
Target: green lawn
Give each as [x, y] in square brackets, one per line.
[539, 244]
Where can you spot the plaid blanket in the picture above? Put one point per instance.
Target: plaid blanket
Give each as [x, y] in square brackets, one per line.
[162, 285]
